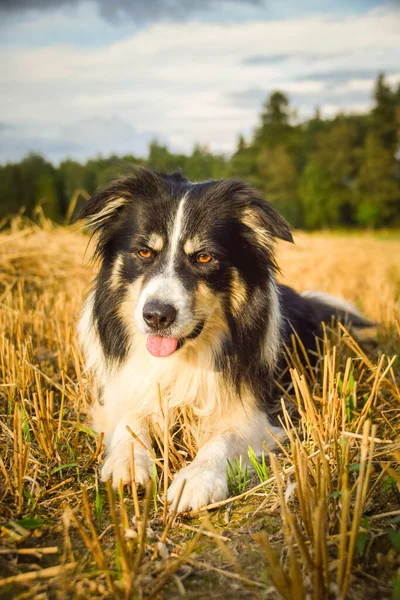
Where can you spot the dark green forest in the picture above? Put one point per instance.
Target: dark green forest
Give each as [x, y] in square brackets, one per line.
[321, 173]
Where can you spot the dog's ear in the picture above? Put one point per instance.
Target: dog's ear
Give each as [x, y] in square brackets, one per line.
[106, 206]
[262, 218]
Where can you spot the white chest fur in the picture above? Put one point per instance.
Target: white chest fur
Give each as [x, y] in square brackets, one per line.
[187, 378]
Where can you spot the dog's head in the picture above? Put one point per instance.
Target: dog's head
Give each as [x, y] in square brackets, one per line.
[173, 253]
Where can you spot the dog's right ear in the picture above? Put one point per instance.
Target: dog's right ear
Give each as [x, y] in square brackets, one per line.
[106, 206]
[103, 212]
[103, 208]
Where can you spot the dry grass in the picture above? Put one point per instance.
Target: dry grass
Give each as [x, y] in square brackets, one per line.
[323, 525]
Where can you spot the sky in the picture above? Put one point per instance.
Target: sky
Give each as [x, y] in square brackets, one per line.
[81, 78]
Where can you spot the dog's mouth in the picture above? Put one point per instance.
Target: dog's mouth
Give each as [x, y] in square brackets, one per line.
[161, 346]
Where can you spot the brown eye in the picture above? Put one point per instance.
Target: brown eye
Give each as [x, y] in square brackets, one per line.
[145, 253]
[204, 258]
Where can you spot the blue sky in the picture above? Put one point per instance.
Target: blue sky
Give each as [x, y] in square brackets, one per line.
[83, 78]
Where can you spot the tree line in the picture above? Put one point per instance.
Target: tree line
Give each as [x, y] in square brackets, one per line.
[321, 173]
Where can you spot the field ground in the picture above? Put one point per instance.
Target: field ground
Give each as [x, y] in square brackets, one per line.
[324, 525]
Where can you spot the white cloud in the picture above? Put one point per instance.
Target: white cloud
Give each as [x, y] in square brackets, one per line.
[180, 79]
[330, 110]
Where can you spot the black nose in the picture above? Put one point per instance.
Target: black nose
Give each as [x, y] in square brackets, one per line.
[158, 315]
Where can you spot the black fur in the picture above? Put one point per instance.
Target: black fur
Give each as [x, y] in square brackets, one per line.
[125, 214]
[305, 317]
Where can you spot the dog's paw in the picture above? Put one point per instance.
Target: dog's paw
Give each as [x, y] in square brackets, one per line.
[204, 484]
[117, 466]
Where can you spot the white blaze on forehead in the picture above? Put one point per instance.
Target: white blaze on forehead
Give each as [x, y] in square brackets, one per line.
[176, 233]
[166, 285]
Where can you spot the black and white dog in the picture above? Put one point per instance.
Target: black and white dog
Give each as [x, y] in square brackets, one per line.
[187, 299]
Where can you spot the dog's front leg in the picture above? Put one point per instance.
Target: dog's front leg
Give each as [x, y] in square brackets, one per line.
[118, 451]
[206, 478]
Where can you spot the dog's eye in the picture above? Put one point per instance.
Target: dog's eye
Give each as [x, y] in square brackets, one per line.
[203, 258]
[145, 253]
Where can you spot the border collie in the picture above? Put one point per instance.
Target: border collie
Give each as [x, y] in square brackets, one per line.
[186, 299]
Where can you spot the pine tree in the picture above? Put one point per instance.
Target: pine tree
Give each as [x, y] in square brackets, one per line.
[377, 188]
[318, 197]
[275, 121]
[280, 179]
[383, 118]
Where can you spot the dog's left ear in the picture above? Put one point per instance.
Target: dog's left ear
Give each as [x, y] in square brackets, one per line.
[265, 221]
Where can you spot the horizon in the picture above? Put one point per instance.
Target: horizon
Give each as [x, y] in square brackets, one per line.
[249, 139]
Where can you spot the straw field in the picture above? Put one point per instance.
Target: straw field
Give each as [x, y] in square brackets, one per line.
[318, 519]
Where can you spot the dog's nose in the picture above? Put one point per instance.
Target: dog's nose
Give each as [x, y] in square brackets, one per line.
[158, 315]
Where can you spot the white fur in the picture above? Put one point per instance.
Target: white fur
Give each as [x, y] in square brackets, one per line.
[90, 342]
[117, 464]
[340, 303]
[205, 478]
[273, 335]
[224, 424]
[176, 233]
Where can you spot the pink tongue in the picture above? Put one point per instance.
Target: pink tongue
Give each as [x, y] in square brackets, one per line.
[161, 346]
